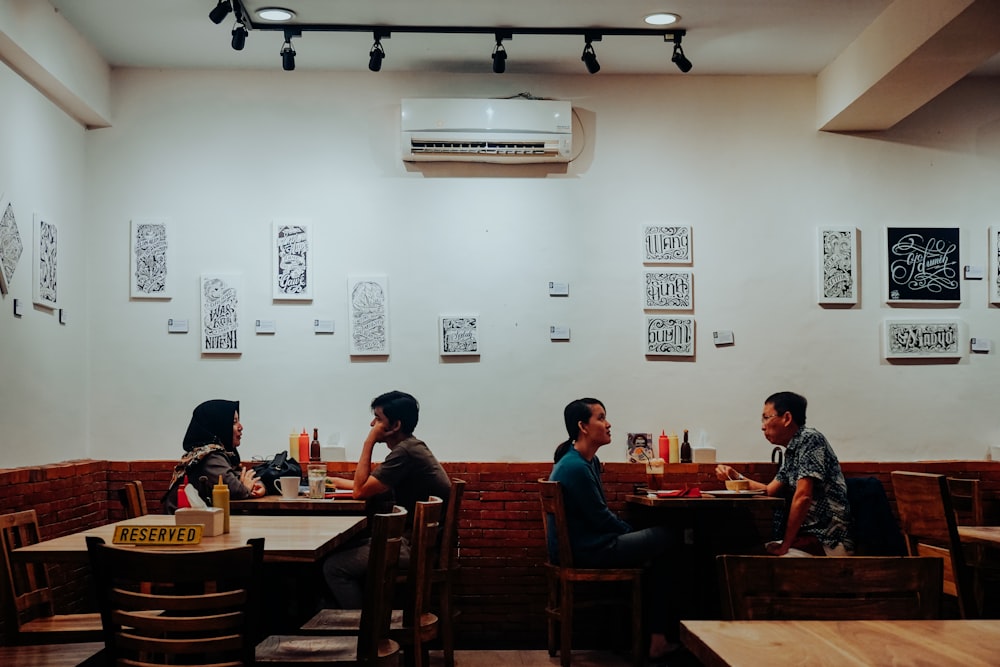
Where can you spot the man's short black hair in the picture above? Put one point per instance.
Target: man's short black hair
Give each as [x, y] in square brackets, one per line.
[787, 401]
[399, 406]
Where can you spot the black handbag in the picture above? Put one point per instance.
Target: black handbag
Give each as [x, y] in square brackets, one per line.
[279, 466]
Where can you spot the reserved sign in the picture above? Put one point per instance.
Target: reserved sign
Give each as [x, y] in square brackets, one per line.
[158, 535]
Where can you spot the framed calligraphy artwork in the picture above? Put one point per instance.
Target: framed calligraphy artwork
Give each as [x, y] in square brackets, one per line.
[292, 261]
[922, 339]
[11, 245]
[669, 290]
[994, 277]
[220, 313]
[149, 260]
[838, 265]
[45, 291]
[923, 265]
[666, 244]
[458, 335]
[368, 301]
[671, 336]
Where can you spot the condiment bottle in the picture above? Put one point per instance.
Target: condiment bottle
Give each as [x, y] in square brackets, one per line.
[293, 445]
[303, 447]
[220, 498]
[674, 449]
[314, 446]
[182, 499]
[685, 449]
[664, 446]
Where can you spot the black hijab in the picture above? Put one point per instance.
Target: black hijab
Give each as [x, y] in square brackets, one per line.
[212, 423]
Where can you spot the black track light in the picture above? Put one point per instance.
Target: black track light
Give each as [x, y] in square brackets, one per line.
[287, 56]
[376, 56]
[499, 58]
[589, 58]
[679, 59]
[239, 36]
[220, 11]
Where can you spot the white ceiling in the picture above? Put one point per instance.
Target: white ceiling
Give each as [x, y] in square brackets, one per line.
[724, 37]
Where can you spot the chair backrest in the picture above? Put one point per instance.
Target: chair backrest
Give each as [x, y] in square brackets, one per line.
[180, 607]
[967, 501]
[133, 499]
[380, 581]
[559, 548]
[449, 531]
[423, 552]
[928, 523]
[850, 588]
[25, 587]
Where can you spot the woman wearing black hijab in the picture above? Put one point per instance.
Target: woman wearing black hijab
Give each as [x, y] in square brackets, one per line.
[210, 442]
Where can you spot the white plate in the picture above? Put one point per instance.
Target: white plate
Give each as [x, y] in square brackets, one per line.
[727, 493]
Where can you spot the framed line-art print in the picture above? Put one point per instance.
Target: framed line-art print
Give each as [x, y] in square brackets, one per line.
[368, 321]
[220, 313]
[11, 245]
[292, 261]
[994, 277]
[668, 289]
[666, 244]
[671, 335]
[838, 279]
[149, 265]
[923, 265]
[45, 274]
[922, 339]
[458, 335]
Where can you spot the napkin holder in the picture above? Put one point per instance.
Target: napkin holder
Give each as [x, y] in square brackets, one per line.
[212, 518]
[703, 454]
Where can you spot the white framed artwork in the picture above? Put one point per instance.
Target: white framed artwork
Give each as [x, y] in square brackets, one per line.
[666, 244]
[292, 261]
[838, 279]
[670, 335]
[994, 277]
[11, 245]
[923, 265]
[368, 321]
[458, 335]
[149, 266]
[922, 339]
[45, 274]
[220, 313]
[668, 289]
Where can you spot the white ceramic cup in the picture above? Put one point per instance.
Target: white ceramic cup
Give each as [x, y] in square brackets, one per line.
[289, 487]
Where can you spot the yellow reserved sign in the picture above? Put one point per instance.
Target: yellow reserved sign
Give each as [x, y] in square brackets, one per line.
[158, 535]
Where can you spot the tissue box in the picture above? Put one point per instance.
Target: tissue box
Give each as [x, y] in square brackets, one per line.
[213, 518]
[333, 453]
[703, 454]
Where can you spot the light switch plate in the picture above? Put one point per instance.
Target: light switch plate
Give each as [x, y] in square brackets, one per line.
[973, 272]
[63, 318]
[175, 325]
[18, 308]
[724, 337]
[265, 326]
[558, 289]
[558, 332]
[323, 326]
[982, 345]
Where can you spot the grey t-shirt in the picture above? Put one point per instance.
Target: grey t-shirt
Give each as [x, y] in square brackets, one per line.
[413, 473]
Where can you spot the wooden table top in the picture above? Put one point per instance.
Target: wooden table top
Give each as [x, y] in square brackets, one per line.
[49, 655]
[297, 539]
[843, 643]
[703, 502]
[300, 505]
[989, 534]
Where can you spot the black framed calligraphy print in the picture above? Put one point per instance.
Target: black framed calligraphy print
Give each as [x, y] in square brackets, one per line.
[923, 265]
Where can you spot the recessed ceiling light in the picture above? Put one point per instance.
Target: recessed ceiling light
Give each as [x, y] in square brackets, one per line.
[662, 19]
[275, 14]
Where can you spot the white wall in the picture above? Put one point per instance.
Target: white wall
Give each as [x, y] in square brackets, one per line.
[737, 158]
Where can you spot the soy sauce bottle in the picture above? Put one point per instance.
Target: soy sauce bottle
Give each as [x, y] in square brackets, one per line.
[685, 449]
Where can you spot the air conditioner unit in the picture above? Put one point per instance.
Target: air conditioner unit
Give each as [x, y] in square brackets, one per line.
[511, 131]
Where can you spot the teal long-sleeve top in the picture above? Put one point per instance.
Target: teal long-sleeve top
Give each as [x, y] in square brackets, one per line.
[592, 525]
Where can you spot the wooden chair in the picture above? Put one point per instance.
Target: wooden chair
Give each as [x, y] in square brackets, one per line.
[563, 578]
[927, 520]
[414, 624]
[202, 608]
[371, 647]
[445, 574]
[972, 509]
[133, 499]
[25, 594]
[756, 588]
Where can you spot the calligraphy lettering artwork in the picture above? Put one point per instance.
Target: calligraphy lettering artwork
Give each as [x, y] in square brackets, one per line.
[670, 336]
[292, 255]
[669, 290]
[11, 245]
[369, 322]
[46, 284]
[923, 265]
[922, 339]
[459, 334]
[994, 277]
[838, 279]
[150, 263]
[667, 244]
[220, 314]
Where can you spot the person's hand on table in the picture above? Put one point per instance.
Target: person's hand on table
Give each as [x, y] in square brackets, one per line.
[248, 478]
[724, 472]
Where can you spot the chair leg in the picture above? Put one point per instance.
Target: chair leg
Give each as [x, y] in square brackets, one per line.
[447, 623]
[638, 657]
[566, 623]
[550, 619]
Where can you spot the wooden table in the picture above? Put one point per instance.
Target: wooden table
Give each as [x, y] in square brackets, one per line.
[982, 534]
[51, 655]
[300, 505]
[287, 539]
[843, 643]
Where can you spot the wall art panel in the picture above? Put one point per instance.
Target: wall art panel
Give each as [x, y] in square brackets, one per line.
[368, 301]
[149, 266]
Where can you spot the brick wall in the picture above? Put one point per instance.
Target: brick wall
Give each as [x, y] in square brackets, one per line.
[502, 588]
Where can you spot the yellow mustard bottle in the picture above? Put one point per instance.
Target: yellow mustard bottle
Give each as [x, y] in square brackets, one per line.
[220, 498]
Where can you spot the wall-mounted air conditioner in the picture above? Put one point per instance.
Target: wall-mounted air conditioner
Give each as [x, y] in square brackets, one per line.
[511, 131]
